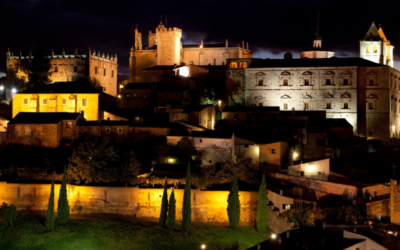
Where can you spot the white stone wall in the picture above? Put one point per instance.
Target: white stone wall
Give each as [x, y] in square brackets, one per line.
[207, 56]
[296, 94]
[370, 54]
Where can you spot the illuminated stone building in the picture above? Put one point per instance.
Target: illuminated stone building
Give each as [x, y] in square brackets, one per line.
[61, 97]
[66, 66]
[365, 93]
[165, 48]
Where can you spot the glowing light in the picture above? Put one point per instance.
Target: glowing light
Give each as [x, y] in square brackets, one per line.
[13, 90]
[310, 168]
[184, 72]
[119, 96]
[273, 236]
[295, 155]
[121, 86]
[170, 160]
[1, 87]
[393, 127]
[203, 246]
[201, 46]
[219, 102]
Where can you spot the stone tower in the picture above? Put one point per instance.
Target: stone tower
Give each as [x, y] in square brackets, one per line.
[376, 48]
[138, 39]
[168, 43]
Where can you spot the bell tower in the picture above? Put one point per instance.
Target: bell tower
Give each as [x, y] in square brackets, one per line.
[138, 39]
[168, 45]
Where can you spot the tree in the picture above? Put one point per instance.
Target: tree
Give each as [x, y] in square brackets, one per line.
[302, 217]
[50, 218]
[262, 207]
[39, 70]
[164, 206]
[8, 213]
[63, 206]
[234, 204]
[187, 205]
[130, 168]
[85, 80]
[171, 212]
[94, 160]
[208, 97]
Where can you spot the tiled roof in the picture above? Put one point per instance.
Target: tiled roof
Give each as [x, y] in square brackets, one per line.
[42, 118]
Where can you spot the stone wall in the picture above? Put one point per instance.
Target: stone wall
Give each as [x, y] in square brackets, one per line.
[394, 202]
[207, 206]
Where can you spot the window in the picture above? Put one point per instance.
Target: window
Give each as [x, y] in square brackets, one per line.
[370, 105]
[75, 69]
[127, 95]
[306, 82]
[107, 130]
[95, 70]
[285, 106]
[27, 130]
[321, 142]
[112, 73]
[285, 82]
[371, 82]
[328, 105]
[260, 104]
[287, 206]
[64, 101]
[301, 173]
[84, 102]
[55, 69]
[176, 94]
[44, 101]
[104, 72]
[119, 130]
[346, 105]
[17, 129]
[200, 140]
[243, 65]
[25, 102]
[155, 42]
[236, 117]
[69, 125]
[306, 105]
[273, 151]
[260, 82]
[328, 82]
[119, 139]
[368, 49]
[345, 82]
[233, 65]
[166, 94]
[375, 49]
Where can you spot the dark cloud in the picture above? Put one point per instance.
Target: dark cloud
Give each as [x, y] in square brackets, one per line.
[270, 27]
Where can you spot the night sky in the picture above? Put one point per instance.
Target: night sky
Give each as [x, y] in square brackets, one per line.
[270, 27]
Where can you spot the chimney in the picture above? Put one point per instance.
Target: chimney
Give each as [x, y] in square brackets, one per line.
[76, 52]
[226, 43]
[63, 52]
[293, 111]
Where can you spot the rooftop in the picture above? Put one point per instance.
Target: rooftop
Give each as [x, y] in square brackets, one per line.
[250, 109]
[43, 118]
[62, 88]
[139, 85]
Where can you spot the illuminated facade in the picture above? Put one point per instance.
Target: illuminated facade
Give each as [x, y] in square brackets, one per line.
[165, 48]
[65, 66]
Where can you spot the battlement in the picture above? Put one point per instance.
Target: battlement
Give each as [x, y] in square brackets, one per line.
[103, 57]
[174, 29]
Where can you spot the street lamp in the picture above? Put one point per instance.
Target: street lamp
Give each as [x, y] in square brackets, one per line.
[13, 90]
[295, 155]
[273, 236]
[203, 246]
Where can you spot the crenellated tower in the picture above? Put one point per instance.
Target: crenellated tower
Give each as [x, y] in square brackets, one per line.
[168, 45]
[138, 39]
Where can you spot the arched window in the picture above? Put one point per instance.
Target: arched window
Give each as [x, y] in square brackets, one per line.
[112, 73]
[368, 49]
[243, 65]
[233, 65]
[375, 49]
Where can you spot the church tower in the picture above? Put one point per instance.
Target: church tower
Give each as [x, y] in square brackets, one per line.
[168, 41]
[376, 48]
[138, 39]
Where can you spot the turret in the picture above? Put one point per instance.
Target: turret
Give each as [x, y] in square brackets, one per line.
[8, 53]
[75, 52]
[226, 43]
[63, 52]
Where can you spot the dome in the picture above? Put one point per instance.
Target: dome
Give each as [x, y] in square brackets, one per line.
[288, 55]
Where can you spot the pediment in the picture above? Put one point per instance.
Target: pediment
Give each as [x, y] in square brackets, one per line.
[307, 73]
[346, 73]
[306, 96]
[329, 73]
[286, 73]
[345, 95]
[372, 96]
[260, 74]
[373, 73]
[239, 75]
[259, 97]
[286, 97]
[328, 95]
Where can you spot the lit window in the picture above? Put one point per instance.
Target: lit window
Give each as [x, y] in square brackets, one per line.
[120, 130]
[64, 101]
[137, 118]
[287, 206]
[368, 49]
[375, 49]
[285, 106]
[345, 82]
[260, 82]
[328, 105]
[243, 65]
[26, 101]
[84, 102]
[233, 65]
[260, 104]
[306, 105]
[44, 101]
[69, 125]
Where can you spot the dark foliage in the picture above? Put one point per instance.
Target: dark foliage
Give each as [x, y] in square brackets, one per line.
[50, 218]
[39, 70]
[171, 212]
[234, 204]
[164, 206]
[262, 207]
[187, 205]
[63, 205]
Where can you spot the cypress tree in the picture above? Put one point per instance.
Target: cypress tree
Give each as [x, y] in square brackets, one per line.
[63, 206]
[262, 207]
[171, 212]
[234, 203]
[164, 206]
[50, 219]
[187, 204]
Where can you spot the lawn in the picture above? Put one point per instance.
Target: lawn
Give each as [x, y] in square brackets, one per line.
[119, 232]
